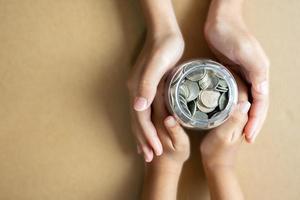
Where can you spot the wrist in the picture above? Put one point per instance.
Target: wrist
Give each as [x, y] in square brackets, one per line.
[231, 4]
[214, 169]
[160, 17]
[164, 167]
[164, 31]
[223, 9]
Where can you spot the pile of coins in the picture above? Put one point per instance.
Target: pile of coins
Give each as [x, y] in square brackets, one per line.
[203, 94]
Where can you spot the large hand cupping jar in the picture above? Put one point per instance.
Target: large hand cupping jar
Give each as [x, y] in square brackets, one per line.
[201, 93]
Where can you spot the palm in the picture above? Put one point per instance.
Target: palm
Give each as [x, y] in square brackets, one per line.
[235, 46]
[156, 58]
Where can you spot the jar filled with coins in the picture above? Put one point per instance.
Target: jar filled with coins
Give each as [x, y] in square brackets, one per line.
[201, 93]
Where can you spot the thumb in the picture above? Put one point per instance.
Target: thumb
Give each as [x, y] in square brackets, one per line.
[148, 83]
[159, 63]
[176, 132]
[255, 64]
[234, 126]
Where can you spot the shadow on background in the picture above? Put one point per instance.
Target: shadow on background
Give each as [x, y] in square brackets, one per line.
[115, 102]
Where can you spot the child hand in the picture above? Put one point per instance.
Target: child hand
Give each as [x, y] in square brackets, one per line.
[163, 173]
[174, 140]
[220, 145]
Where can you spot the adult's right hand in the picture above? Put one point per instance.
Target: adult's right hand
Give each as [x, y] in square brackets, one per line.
[159, 54]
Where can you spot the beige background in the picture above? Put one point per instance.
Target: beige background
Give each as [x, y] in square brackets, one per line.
[64, 125]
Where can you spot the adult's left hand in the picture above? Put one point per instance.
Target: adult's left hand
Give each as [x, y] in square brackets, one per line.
[232, 42]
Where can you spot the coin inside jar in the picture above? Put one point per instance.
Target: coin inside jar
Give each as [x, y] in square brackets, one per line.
[206, 93]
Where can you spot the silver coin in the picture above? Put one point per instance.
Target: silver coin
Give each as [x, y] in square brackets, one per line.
[214, 81]
[182, 99]
[204, 82]
[192, 107]
[222, 86]
[223, 101]
[190, 66]
[220, 76]
[203, 108]
[183, 90]
[215, 115]
[222, 83]
[176, 78]
[196, 75]
[200, 115]
[193, 90]
[183, 104]
[221, 89]
[209, 98]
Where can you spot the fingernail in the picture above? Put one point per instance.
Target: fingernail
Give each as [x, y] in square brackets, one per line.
[147, 153]
[170, 122]
[158, 147]
[253, 130]
[244, 107]
[140, 104]
[146, 158]
[252, 139]
[263, 87]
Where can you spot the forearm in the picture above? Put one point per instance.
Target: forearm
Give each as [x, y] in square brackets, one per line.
[223, 183]
[220, 8]
[161, 183]
[159, 16]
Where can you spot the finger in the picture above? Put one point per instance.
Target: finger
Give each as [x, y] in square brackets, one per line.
[154, 71]
[242, 88]
[233, 127]
[142, 145]
[148, 153]
[256, 70]
[149, 131]
[144, 148]
[257, 115]
[176, 132]
[159, 107]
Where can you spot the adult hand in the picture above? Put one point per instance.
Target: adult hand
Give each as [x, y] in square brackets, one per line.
[162, 49]
[157, 57]
[231, 41]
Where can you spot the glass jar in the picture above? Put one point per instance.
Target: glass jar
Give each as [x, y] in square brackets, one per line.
[201, 93]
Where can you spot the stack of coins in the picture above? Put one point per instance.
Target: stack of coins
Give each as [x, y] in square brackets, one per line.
[201, 91]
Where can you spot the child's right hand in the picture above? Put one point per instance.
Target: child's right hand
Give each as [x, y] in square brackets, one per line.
[220, 145]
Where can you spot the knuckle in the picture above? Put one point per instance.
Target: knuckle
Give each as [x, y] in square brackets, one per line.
[180, 146]
[262, 69]
[175, 128]
[215, 27]
[237, 118]
[244, 49]
[244, 120]
[146, 84]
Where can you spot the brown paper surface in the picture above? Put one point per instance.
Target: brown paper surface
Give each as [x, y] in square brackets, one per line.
[65, 130]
